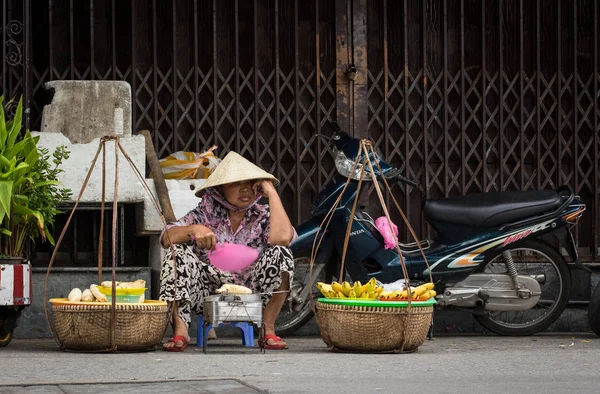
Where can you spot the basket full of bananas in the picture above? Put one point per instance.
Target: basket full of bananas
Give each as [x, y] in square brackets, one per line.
[357, 317]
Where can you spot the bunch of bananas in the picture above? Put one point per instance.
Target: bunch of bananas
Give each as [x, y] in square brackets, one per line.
[368, 291]
[420, 293]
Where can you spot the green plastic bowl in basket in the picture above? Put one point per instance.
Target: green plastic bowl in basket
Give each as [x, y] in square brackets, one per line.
[377, 303]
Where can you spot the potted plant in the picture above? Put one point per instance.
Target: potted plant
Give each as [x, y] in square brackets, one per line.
[29, 198]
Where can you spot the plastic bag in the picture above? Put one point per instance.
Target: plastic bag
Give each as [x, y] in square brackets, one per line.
[382, 225]
[189, 165]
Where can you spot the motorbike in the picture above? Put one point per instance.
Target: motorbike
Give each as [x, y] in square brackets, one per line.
[487, 257]
[15, 294]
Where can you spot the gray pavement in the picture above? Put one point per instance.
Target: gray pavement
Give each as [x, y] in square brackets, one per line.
[549, 363]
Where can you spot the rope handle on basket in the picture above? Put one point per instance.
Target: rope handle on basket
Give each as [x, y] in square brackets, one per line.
[101, 147]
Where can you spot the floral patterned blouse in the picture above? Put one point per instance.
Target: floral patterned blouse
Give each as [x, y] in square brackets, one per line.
[253, 231]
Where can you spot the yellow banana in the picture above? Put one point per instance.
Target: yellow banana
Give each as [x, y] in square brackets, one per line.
[336, 286]
[331, 294]
[357, 287]
[352, 294]
[427, 295]
[372, 282]
[340, 294]
[346, 288]
[367, 287]
[378, 290]
[324, 288]
[418, 291]
[365, 295]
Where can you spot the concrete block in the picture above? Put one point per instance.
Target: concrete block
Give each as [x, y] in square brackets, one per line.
[183, 200]
[32, 323]
[80, 161]
[86, 110]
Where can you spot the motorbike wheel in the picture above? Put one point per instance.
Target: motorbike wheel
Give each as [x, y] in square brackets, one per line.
[5, 337]
[297, 310]
[531, 258]
[594, 311]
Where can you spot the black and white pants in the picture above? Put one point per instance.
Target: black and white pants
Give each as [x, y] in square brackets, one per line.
[197, 279]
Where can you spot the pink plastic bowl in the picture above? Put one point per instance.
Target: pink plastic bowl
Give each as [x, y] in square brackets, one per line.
[232, 257]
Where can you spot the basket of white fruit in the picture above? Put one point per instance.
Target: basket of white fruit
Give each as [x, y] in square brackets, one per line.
[82, 322]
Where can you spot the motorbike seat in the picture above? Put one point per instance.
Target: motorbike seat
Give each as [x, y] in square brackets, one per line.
[491, 209]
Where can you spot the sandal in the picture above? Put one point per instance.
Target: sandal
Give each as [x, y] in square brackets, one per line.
[174, 348]
[275, 346]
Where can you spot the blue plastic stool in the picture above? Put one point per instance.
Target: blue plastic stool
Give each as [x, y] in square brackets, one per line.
[247, 331]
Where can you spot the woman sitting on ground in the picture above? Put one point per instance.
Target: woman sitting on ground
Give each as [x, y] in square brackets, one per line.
[229, 213]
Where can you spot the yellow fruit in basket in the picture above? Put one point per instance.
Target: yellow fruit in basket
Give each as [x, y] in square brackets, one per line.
[96, 293]
[340, 294]
[346, 288]
[378, 290]
[420, 290]
[367, 287]
[325, 289]
[357, 287]
[427, 295]
[352, 294]
[108, 284]
[140, 284]
[372, 282]
[365, 295]
[75, 295]
[336, 287]
[87, 296]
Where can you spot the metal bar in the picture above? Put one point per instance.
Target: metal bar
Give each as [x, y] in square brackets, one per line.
[215, 88]
[155, 74]
[360, 109]
[445, 61]
[483, 97]
[342, 59]
[596, 135]
[538, 92]
[196, 81]
[386, 93]
[277, 91]
[50, 42]
[296, 112]
[4, 68]
[575, 128]
[71, 39]
[558, 97]
[237, 75]
[92, 72]
[114, 41]
[521, 97]
[133, 69]
[501, 94]
[174, 76]
[256, 96]
[318, 92]
[575, 124]
[463, 129]
[406, 114]
[424, 227]
[27, 65]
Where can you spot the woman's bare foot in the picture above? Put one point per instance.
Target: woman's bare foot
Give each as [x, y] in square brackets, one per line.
[179, 329]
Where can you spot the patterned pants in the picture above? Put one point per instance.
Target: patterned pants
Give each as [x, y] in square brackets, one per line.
[197, 279]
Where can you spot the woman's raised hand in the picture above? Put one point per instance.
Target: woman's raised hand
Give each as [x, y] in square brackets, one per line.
[264, 188]
[203, 236]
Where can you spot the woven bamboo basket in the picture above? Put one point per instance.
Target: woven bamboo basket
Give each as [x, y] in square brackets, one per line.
[373, 328]
[86, 326]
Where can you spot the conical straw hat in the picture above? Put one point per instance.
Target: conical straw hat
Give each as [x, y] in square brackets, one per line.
[234, 168]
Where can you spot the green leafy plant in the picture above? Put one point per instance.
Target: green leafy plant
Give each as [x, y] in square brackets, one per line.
[29, 189]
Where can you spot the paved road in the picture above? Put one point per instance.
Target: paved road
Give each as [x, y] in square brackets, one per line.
[468, 364]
